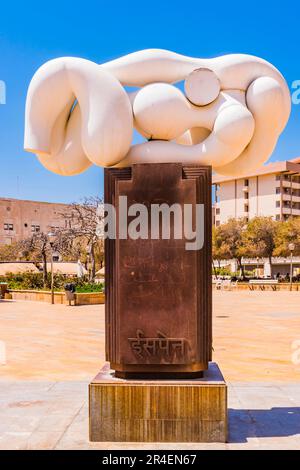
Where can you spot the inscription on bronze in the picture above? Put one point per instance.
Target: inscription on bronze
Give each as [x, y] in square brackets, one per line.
[161, 345]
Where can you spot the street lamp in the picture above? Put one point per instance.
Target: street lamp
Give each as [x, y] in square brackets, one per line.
[52, 238]
[257, 267]
[88, 254]
[291, 248]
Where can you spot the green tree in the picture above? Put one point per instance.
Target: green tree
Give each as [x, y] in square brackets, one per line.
[228, 241]
[259, 238]
[287, 232]
[217, 252]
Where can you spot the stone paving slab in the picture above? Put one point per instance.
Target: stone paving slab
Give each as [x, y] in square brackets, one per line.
[53, 352]
[55, 416]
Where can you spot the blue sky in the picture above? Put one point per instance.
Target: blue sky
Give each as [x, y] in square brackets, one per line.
[34, 32]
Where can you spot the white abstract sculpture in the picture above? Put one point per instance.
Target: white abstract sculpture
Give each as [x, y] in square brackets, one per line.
[230, 114]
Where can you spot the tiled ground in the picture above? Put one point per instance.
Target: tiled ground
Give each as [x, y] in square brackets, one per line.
[45, 415]
[52, 352]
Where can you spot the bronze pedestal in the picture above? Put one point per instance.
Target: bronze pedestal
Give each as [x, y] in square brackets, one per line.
[158, 293]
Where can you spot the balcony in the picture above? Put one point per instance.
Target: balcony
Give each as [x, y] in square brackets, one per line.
[290, 211]
[289, 197]
[287, 184]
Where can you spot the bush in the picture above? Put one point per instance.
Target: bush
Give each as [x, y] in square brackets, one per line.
[89, 287]
[221, 271]
[34, 281]
[23, 280]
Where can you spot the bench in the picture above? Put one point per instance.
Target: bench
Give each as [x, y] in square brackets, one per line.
[262, 283]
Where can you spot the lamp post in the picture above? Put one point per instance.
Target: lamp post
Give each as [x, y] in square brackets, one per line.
[291, 248]
[257, 268]
[51, 238]
[88, 253]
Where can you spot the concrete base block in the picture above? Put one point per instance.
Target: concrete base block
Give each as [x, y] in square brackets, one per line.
[193, 410]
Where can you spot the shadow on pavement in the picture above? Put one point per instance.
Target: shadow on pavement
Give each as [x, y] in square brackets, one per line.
[274, 422]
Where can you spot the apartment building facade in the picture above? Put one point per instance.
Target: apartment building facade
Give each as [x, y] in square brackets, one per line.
[273, 190]
[19, 219]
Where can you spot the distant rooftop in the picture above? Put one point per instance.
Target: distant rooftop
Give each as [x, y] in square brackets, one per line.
[290, 166]
[11, 199]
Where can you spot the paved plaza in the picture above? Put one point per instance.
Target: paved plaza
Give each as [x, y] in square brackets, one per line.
[52, 352]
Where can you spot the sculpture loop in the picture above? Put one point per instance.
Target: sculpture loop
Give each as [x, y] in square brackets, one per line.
[230, 114]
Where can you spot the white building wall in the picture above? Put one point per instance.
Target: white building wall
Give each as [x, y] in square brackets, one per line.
[261, 200]
[267, 195]
[227, 203]
[253, 200]
[240, 201]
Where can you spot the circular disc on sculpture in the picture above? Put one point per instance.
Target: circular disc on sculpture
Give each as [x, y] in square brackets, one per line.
[202, 87]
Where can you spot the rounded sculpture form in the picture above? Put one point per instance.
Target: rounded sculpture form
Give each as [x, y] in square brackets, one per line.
[230, 114]
[77, 113]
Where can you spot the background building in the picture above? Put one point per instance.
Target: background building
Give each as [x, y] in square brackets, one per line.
[273, 190]
[19, 219]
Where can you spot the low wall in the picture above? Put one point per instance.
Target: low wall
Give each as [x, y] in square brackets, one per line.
[91, 298]
[245, 286]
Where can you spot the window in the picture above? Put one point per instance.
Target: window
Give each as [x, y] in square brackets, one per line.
[278, 177]
[9, 227]
[25, 225]
[246, 208]
[278, 190]
[35, 228]
[247, 219]
[246, 195]
[277, 217]
[218, 210]
[277, 203]
[246, 182]
[217, 223]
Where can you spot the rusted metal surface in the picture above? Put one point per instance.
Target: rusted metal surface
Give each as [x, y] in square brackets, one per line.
[158, 294]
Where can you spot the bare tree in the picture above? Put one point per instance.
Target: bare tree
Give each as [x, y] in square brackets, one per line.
[37, 249]
[10, 252]
[82, 232]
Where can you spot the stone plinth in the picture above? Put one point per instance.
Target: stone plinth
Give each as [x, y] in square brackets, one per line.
[193, 410]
